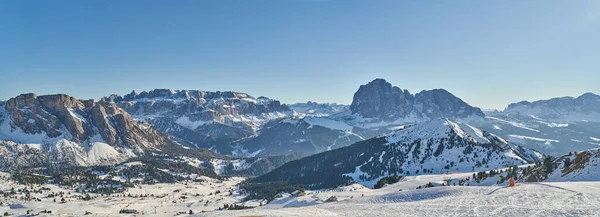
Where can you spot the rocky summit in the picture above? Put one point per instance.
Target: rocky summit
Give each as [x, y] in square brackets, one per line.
[380, 101]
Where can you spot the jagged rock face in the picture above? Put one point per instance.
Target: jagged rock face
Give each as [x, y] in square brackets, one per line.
[81, 120]
[59, 131]
[440, 103]
[48, 114]
[379, 99]
[211, 106]
[201, 118]
[99, 117]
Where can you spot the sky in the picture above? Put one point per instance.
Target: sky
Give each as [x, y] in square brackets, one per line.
[488, 53]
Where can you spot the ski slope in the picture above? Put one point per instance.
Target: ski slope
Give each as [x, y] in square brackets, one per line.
[527, 199]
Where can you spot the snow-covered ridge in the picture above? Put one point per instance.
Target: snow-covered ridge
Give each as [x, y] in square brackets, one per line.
[203, 119]
[328, 123]
[562, 109]
[318, 109]
[439, 128]
[183, 95]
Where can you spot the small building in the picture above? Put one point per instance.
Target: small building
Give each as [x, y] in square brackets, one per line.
[298, 193]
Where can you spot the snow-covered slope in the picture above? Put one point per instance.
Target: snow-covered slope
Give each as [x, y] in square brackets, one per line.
[436, 146]
[306, 135]
[582, 166]
[549, 136]
[576, 166]
[402, 199]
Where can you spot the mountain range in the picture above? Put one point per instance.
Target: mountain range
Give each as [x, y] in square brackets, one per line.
[226, 128]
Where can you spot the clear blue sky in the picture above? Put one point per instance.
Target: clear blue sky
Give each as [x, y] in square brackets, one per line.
[489, 53]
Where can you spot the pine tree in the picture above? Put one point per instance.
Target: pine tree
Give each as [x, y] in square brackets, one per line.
[567, 162]
[548, 165]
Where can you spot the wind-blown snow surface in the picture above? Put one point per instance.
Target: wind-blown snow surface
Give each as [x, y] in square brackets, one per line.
[401, 199]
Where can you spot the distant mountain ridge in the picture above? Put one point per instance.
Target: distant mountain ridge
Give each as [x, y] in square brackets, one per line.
[566, 109]
[318, 109]
[239, 125]
[203, 119]
[555, 126]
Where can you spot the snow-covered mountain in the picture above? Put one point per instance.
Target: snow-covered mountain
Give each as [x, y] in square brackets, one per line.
[55, 131]
[555, 126]
[240, 125]
[436, 146]
[584, 108]
[318, 109]
[377, 108]
[200, 118]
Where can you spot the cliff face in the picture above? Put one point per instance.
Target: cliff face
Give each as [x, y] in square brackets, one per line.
[380, 100]
[62, 131]
[202, 119]
[78, 120]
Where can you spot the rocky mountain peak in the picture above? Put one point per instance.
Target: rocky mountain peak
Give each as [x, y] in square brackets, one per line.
[588, 98]
[63, 116]
[379, 99]
[438, 103]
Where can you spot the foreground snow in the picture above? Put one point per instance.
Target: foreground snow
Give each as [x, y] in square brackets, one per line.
[527, 199]
[165, 199]
[400, 199]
